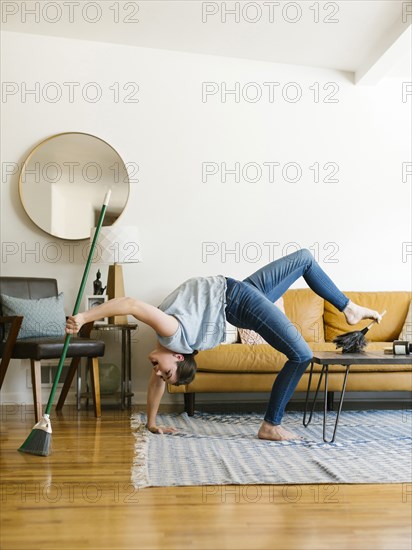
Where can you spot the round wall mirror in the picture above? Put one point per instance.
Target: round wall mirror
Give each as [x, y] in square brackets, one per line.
[64, 180]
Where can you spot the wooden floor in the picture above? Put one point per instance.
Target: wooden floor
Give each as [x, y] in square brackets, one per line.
[81, 497]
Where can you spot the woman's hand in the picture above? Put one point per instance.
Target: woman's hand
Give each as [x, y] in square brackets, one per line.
[74, 323]
[161, 429]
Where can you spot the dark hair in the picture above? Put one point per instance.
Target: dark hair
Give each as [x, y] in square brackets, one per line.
[186, 369]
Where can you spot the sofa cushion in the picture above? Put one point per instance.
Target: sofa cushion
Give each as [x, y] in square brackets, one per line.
[262, 358]
[240, 358]
[305, 309]
[396, 304]
[232, 382]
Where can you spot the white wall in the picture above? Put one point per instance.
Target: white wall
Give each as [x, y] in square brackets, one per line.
[361, 221]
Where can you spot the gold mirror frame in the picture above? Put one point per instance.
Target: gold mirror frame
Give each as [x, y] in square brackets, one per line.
[63, 182]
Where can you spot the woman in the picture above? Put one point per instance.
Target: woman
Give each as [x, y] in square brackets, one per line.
[193, 317]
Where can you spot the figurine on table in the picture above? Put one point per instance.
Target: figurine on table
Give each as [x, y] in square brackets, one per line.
[97, 285]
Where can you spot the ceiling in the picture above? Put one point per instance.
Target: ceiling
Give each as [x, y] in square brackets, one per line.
[346, 35]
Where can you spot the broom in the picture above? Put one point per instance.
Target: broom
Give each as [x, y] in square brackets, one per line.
[38, 442]
[355, 341]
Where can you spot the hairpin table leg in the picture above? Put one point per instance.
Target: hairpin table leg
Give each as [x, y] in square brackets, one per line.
[307, 395]
[340, 404]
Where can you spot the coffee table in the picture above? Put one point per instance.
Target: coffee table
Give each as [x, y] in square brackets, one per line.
[330, 358]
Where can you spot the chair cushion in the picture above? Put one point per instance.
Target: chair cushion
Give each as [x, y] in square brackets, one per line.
[42, 317]
[51, 348]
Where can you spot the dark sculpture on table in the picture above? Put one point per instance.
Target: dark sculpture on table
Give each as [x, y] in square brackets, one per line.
[97, 285]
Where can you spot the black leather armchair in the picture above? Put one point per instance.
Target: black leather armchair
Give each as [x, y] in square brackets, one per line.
[37, 349]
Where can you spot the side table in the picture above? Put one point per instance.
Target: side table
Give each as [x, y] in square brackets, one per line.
[126, 393]
[329, 359]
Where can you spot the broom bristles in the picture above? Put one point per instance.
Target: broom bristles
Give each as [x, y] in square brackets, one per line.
[39, 439]
[38, 443]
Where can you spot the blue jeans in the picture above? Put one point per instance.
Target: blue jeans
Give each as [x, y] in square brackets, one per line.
[250, 305]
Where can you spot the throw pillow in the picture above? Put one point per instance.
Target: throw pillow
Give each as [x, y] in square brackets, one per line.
[251, 337]
[42, 317]
[406, 332]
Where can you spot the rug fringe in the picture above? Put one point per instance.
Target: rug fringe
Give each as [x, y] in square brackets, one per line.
[140, 478]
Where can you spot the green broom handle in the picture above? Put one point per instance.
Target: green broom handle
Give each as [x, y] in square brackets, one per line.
[78, 302]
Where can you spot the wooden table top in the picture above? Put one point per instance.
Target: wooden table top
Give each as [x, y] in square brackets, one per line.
[363, 358]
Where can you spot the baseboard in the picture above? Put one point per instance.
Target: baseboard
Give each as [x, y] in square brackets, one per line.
[225, 401]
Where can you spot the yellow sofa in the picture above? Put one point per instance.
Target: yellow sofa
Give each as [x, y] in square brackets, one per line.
[253, 368]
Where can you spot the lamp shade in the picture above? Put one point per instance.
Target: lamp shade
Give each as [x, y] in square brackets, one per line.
[118, 244]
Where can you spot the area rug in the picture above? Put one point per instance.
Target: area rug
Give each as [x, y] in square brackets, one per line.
[220, 449]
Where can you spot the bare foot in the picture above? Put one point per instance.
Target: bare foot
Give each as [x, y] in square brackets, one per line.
[275, 433]
[355, 313]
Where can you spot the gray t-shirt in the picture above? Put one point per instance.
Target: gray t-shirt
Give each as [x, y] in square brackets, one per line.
[199, 306]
